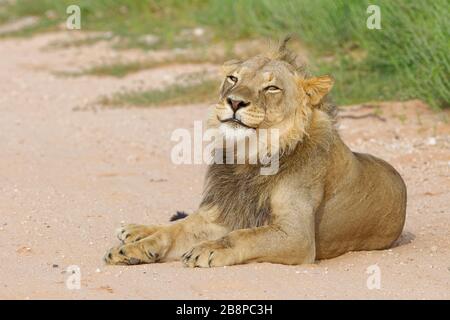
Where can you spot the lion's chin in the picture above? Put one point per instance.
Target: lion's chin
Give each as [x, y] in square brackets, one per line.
[234, 132]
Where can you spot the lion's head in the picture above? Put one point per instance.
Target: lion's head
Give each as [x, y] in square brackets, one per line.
[266, 92]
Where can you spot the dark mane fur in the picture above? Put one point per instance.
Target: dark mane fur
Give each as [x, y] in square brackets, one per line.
[245, 192]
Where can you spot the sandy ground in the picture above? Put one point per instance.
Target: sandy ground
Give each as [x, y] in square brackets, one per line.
[68, 178]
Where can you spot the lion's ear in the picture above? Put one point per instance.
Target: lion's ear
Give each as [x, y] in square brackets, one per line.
[230, 65]
[317, 88]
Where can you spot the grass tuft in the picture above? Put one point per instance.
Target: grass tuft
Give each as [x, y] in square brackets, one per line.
[121, 69]
[175, 94]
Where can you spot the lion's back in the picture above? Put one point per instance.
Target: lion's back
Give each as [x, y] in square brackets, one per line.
[367, 211]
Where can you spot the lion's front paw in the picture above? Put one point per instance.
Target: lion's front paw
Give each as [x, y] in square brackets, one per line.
[134, 232]
[208, 254]
[145, 251]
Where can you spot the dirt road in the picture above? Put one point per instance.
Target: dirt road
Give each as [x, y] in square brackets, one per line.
[68, 178]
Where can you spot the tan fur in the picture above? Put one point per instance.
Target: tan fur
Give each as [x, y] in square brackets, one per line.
[324, 200]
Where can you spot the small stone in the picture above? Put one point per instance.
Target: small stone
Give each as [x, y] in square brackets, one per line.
[23, 250]
[98, 270]
[431, 141]
[149, 39]
[198, 32]
[55, 266]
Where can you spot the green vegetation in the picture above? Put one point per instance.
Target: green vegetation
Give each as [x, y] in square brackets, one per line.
[123, 17]
[408, 58]
[204, 90]
[122, 68]
[116, 69]
[87, 41]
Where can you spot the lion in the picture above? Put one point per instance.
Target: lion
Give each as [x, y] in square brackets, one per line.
[323, 201]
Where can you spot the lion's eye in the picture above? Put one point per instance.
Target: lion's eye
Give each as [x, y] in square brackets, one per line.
[232, 79]
[272, 89]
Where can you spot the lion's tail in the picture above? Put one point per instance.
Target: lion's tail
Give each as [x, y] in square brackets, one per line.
[179, 215]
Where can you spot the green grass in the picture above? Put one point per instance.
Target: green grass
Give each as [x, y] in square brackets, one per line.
[408, 58]
[73, 43]
[175, 94]
[116, 69]
[123, 68]
[127, 18]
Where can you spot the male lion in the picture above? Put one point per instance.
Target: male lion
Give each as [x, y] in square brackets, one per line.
[324, 200]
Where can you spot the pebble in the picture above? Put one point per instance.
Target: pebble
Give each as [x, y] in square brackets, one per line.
[149, 39]
[431, 141]
[198, 32]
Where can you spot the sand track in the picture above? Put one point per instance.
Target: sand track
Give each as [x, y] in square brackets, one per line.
[69, 178]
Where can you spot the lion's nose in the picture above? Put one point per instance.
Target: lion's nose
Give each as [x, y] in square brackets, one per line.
[237, 104]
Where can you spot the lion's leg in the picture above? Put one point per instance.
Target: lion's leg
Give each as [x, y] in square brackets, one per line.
[262, 244]
[288, 239]
[169, 242]
[135, 232]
